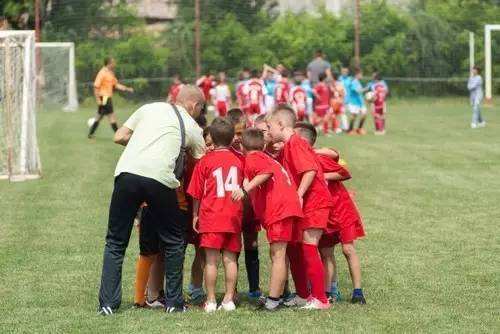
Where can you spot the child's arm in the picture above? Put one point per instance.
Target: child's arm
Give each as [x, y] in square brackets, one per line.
[248, 187]
[333, 176]
[196, 208]
[305, 183]
[331, 153]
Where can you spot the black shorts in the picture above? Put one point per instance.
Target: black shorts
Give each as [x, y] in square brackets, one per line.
[149, 239]
[105, 109]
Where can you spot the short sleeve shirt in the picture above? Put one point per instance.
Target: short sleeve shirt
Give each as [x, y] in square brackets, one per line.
[105, 82]
[156, 141]
[316, 67]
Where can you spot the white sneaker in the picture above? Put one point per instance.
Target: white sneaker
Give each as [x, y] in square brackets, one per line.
[210, 307]
[315, 304]
[481, 125]
[296, 301]
[228, 307]
[473, 125]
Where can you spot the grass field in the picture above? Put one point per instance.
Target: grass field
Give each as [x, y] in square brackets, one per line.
[429, 192]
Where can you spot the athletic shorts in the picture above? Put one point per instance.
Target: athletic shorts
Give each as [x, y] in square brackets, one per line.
[269, 102]
[321, 111]
[315, 219]
[280, 231]
[378, 110]
[253, 109]
[221, 107]
[345, 235]
[224, 241]
[105, 109]
[356, 110]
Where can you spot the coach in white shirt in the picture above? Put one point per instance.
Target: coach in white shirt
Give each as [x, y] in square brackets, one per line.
[145, 173]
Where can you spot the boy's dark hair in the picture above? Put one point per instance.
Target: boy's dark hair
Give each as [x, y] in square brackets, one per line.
[322, 76]
[318, 53]
[206, 132]
[284, 73]
[477, 68]
[357, 70]
[260, 119]
[235, 116]
[253, 139]
[221, 131]
[107, 60]
[254, 74]
[308, 131]
[335, 76]
[377, 76]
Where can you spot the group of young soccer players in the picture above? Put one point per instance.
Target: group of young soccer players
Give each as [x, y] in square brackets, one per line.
[337, 103]
[263, 173]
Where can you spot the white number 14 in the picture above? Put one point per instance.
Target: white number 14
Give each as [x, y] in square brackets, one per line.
[231, 182]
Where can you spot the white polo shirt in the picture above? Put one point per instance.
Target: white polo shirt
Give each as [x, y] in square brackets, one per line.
[155, 143]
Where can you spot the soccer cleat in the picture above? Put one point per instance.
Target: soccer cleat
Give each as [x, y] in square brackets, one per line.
[157, 303]
[175, 309]
[473, 125]
[315, 304]
[351, 133]
[210, 307]
[105, 311]
[361, 131]
[254, 295]
[481, 125]
[196, 296]
[228, 306]
[295, 301]
[358, 299]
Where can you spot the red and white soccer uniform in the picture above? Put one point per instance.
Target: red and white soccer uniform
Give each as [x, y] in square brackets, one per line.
[345, 223]
[206, 83]
[241, 98]
[298, 100]
[222, 99]
[214, 178]
[380, 94]
[254, 95]
[282, 91]
[322, 101]
[174, 91]
[337, 103]
[276, 201]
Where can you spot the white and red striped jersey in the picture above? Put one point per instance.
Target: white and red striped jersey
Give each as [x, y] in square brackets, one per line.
[222, 93]
[282, 91]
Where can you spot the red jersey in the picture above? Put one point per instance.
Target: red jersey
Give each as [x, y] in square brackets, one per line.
[380, 93]
[240, 95]
[276, 199]
[214, 178]
[282, 92]
[298, 157]
[344, 211]
[174, 91]
[206, 84]
[323, 95]
[299, 100]
[254, 92]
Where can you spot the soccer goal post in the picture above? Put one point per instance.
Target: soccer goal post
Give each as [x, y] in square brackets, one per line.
[19, 156]
[487, 59]
[56, 75]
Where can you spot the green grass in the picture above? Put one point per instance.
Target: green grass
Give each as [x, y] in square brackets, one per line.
[429, 192]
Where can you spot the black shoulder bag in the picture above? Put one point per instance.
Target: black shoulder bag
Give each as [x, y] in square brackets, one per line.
[180, 163]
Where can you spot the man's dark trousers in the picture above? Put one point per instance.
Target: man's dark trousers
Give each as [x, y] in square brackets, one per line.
[129, 192]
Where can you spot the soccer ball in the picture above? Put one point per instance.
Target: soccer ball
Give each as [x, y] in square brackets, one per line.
[369, 96]
[90, 121]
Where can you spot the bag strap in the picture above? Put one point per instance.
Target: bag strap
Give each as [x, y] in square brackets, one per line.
[183, 128]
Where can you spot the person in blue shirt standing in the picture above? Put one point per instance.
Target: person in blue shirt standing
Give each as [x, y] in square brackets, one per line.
[475, 87]
[356, 104]
[346, 80]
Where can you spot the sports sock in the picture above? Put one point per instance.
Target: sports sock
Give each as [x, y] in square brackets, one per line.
[299, 276]
[142, 269]
[361, 122]
[93, 128]
[357, 292]
[351, 125]
[286, 290]
[315, 271]
[114, 126]
[335, 123]
[333, 288]
[252, 265]
[325, 127]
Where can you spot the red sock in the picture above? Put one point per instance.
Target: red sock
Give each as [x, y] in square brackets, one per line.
[325, 127]
[335, 123]
[294, 253]
[315, 271]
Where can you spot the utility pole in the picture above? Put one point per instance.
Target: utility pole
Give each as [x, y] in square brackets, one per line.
[197, 38]
[38, 28]
[357, 29]
[38, 56]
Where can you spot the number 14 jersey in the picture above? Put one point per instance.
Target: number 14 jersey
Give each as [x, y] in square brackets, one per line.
[214, 178]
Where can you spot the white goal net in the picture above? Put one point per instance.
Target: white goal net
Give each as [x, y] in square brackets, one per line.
[56, 75]
[19, 156]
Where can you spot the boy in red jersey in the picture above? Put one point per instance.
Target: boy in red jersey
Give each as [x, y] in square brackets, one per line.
[222, 96]
[174, 89]
[298, 99]
[282, 89]
[206, 83]
[300, 161]
[379, 89]
[240, 89]
[322, 94]
[345, 218]
[216, 217]
[254, 94]
[275, 200]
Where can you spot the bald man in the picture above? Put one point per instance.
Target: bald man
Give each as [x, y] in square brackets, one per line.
[145, 173]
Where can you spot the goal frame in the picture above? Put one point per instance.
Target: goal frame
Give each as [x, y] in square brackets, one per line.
[28, 66]
[488, 28]
[72, 104]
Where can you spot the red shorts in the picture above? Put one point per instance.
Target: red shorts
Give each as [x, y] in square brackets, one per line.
[221, 108]
[345, 235]
[315, 219]
[321, 111]
[223, 241]
[253, 109]
[281, 231]
[378, 110]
